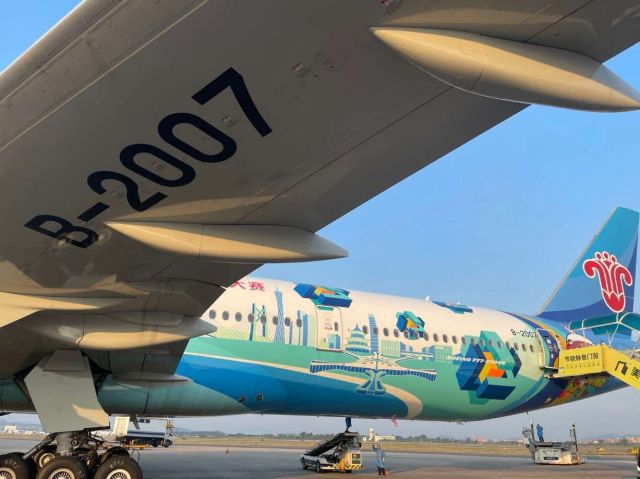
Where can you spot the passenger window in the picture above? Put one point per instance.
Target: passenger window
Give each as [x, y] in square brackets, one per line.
[287, 321]
[426, 336]
[421, 334]
[515, 346]
[499, 344]
[250, 317]
[508, 345]
[436, 337]
[238, 316]
[524, 347]
[263, 318]
[406, 334]
[225, 315]
[396, 333]
[473, 341]
[212, 314]
[375, 330]
[531, 347]
[365, 330]
[385, 331]
[445, 338]
[463, 340]
[454, 339]
[491, 342]
[336, 327]
[274, 320]
[481, 343]
[299, 322]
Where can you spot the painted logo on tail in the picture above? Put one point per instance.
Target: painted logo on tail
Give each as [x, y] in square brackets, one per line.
[611, 275]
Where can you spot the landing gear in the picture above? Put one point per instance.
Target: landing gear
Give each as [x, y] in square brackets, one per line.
[75, 455]
[63, 391]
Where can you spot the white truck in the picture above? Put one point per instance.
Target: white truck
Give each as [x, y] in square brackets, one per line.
[120, 433]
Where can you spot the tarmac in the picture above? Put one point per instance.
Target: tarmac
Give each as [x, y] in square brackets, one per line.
[205, 462]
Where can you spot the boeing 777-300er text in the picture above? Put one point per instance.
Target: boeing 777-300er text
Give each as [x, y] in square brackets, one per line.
[154, 154]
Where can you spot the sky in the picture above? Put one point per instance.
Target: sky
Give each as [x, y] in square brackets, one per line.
[495, 223]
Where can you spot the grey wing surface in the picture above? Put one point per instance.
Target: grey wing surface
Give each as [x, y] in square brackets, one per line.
[147, 149]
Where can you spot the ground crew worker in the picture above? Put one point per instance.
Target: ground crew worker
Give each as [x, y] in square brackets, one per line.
[380, 459]
[540, 432]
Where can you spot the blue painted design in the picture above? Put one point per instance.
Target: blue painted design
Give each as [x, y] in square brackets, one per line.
[373, 329]
[408, 322]
[279, 336]
[286, 390]
[456, 308]
[322, 296]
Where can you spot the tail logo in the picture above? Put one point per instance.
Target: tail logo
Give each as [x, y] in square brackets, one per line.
[611, 275]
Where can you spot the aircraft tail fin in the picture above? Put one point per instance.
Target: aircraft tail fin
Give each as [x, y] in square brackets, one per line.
[600, 282]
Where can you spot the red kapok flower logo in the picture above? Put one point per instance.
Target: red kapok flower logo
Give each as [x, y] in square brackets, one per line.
[611, 275]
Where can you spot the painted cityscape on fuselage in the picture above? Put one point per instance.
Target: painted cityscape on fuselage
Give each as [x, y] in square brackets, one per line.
[296, 348]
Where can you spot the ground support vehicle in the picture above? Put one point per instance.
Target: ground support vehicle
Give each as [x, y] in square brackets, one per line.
[341, 453]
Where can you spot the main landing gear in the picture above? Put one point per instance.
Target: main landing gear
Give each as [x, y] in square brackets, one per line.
[75, 455]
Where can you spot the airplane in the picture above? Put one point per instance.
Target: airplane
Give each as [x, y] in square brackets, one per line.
[154, 154]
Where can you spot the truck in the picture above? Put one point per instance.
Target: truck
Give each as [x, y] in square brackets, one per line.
[137, 438]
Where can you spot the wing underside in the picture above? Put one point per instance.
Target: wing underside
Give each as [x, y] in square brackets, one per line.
[192, 116]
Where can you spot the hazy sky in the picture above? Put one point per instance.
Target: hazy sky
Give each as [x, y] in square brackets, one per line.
[495, 223]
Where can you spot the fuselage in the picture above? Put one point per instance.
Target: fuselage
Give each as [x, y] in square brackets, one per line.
[287, 348]
[302, 349]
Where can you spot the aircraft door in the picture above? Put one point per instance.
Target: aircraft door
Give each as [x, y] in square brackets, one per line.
[550, 349]
[330, 335]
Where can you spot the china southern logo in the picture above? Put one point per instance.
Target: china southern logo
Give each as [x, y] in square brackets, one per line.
[611, 275]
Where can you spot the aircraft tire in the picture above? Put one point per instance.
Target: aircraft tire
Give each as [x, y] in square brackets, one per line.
[121, 467]
[44, 455]
[68, 467]
[318, 468]
[12, 466]
[113, 451]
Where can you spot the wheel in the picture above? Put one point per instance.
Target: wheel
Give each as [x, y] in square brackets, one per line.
[318, 468]
[44, 455]
[113, 451]
[119, 467]
[64, 467]
[12, 466]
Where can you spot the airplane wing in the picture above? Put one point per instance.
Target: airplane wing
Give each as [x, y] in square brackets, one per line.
[152, 153]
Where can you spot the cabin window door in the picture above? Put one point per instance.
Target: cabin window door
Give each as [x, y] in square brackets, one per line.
[550, 350]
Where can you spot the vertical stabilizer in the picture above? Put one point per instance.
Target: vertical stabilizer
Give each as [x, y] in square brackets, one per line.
[601, 281]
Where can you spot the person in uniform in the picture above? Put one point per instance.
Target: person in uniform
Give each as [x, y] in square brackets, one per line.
[380, 459]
